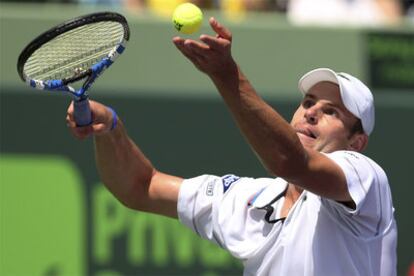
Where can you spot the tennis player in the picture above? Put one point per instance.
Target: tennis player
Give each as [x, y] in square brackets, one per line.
[328, 212]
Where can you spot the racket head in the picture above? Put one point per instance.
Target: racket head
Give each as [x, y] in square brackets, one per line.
[73, 50]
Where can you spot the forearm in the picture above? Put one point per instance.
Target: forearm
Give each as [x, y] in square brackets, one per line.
[270, 136]
[123, 168]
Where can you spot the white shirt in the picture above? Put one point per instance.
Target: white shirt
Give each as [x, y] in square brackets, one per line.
[318, 237]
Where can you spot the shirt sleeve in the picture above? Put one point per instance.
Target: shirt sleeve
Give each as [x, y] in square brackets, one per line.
[217, 209]
[368, 186]
[195, 203]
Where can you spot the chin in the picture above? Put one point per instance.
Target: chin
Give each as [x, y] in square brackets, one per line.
[308, 145]
[330, 149]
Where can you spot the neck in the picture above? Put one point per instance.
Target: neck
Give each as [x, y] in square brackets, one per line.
[293, 192]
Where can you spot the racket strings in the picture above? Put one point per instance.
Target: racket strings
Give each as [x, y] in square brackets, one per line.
[74, 51]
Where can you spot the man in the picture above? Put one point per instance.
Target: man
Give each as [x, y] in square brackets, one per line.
[329, 212]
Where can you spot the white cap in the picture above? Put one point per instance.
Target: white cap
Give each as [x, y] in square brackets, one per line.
[355, 95]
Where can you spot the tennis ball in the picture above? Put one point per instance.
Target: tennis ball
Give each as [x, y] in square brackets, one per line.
[187, 18]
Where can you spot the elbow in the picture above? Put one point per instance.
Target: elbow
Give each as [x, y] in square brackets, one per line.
[129, 204]
[136, 196]
[135, 201]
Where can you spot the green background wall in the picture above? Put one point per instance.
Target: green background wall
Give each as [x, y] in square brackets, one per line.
[174, 113]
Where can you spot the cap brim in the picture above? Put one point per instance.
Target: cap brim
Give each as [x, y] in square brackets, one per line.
[315, 76]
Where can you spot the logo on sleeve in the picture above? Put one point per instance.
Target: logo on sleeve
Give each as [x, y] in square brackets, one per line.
[210, 188]
[228, 180]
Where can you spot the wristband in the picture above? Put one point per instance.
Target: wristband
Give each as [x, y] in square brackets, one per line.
[114, 118]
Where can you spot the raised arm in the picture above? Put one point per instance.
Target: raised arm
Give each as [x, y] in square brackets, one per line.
[268, 133]
[124, 169]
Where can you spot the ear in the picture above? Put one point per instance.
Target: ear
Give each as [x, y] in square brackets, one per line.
[358, 142]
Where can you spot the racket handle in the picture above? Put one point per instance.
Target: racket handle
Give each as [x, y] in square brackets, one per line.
[82, 112]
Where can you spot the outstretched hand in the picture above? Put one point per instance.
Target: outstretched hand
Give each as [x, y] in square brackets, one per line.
[102, 120]
[213, 54]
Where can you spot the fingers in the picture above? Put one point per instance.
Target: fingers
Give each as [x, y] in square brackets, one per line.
[81, 133]
[195, 44]
[179, 43]
[70, 108]
[86, 131]
[221, 31]
[192, 49]
[215, 43]
[102, 120]
[195, 50]
[210, 53]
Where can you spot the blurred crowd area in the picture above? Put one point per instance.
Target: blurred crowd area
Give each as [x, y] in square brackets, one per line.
[306, 12]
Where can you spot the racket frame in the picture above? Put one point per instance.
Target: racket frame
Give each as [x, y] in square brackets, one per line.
[82, 111]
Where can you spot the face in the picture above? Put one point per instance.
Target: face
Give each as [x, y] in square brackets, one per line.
[322, 122]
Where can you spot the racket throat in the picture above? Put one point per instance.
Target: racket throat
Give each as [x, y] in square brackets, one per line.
[78, 76]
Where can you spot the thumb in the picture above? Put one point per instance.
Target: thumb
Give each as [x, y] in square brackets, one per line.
[221, 31]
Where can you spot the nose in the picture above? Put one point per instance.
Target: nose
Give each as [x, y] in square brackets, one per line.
[312, 114]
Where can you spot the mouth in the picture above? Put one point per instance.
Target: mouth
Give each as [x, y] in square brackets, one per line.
[307, 132]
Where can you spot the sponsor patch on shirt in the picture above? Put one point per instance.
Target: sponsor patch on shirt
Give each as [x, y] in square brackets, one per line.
[210, 188]
[228, 180]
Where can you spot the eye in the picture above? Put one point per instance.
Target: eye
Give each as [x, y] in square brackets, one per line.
[331, 111]
[306, 103]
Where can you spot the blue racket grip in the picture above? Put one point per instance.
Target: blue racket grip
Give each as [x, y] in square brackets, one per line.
[82, 112]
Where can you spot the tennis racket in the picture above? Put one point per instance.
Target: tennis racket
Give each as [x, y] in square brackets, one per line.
[78, 49]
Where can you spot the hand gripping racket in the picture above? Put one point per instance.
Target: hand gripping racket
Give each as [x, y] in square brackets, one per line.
[81, 48]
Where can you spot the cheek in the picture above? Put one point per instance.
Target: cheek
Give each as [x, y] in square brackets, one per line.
[334, 129]
[335, 124]
[337, 134]
[297, 116]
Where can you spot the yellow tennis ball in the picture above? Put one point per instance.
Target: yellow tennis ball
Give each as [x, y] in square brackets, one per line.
[187, 18]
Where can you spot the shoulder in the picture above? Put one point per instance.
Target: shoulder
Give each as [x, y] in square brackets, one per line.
[225, 184]
[369, 188]
[366, 180]
[348, 154]
[357, 162]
